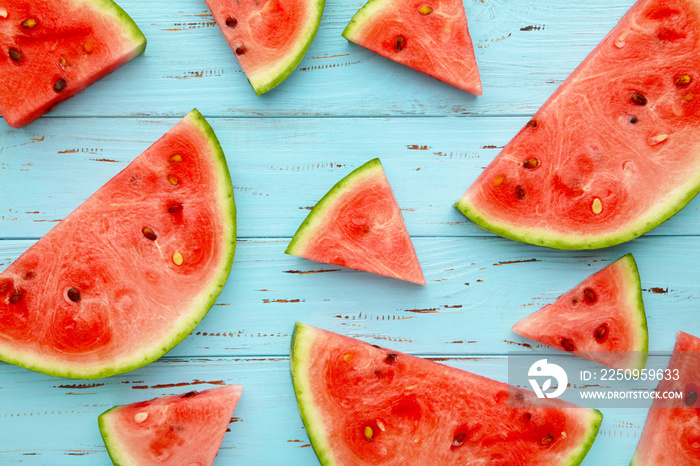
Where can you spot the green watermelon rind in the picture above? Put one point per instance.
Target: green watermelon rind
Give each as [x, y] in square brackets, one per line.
[301, 346]
[635, 290]
[576, 242]
[226, 198]
[578, 456]
[210, 294]
[300, 350]
[272, 79]
[111, 442]
[317, 216]
[189, 320]
[107, 423]
[362, 17]
[637, 315]
[111, 8]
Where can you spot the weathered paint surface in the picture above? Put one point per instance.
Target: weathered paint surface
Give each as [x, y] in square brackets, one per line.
[342, 107]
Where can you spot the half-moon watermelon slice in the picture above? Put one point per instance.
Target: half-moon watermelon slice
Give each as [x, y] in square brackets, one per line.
[602, 318]
[431, 37]
[130, 272]
[358, 224]
[671, 433]
[615, 151]
[185, 429]
[366, 405]
[54, 49]
[268, 37]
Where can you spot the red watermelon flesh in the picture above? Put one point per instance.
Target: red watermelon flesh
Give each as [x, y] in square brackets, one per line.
[54, 49]
[268, 37]
[130, 272]
[431, 37]
[601, 319]
[671, 434]
[185, 429]
[358, 224]
[366, 405]
[615, 151]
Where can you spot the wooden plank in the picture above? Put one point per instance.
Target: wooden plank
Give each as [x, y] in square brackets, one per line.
[524, 50]
[477, 289]
[280, 167]
[343, 106]
[54, 421]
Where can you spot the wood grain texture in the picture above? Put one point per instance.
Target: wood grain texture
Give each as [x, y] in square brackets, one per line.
[342, 107]
[188, 63]
[266, 426]
[280, 167]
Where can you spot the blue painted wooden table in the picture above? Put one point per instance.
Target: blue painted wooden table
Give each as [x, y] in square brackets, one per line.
[342, 107]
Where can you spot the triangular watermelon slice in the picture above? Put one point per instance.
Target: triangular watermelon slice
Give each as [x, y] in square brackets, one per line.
[185, 429]
[268, 37]
[614, 151]
[602, 318]
[358, 224]
[362, 404]
[671, 435]
[53, 50]
[130, 272]
[429, 37]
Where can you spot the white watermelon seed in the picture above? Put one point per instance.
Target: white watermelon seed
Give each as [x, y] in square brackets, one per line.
[380, 424]
[597, 206]
[620, 41]
[658, 139]
[3, 13]
[177, 258]
[140, 417]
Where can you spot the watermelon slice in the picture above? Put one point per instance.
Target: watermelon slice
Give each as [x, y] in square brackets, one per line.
[268, 37]
[185, 429]
[615, 151]
[427, 36]
[362, 404]
[129, 273]
[601, 319]
[54, 49]
[671, 434]
[358, 224]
